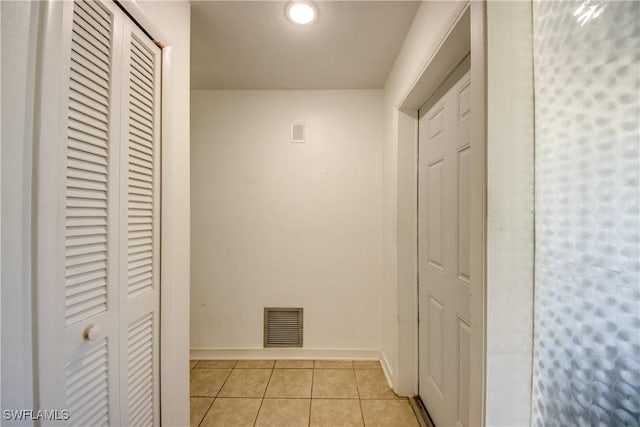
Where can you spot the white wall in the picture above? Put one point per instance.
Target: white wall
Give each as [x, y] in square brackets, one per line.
[19, 33]
[430, 26]
[282, 224]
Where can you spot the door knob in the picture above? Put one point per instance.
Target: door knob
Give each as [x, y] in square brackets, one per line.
[92, 332]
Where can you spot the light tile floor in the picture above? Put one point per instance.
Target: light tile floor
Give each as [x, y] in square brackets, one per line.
[291, 393]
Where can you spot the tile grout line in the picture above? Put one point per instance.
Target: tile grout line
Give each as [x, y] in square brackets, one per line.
[359, 397]
[264, 394]
[217, 393]
[207, 411]
[313, 374]
[353, 368]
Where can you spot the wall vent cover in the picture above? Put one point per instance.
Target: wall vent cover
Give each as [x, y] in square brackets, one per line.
[282, 327]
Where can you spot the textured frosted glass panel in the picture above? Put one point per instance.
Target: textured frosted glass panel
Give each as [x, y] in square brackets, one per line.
[587, 290]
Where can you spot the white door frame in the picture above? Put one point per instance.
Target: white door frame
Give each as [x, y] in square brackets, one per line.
[174, 295]
[466, 35]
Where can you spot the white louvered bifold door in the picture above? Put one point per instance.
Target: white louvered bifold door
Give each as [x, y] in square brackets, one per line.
[98, 235]
[91, 218]
[139, 216]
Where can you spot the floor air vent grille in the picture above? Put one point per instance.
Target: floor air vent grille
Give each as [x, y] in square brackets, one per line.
[282, 327]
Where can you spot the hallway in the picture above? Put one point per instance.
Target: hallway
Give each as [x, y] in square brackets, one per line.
[288, 393]
[331, 218]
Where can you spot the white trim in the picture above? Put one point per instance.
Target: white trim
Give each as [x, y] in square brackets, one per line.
[248, 353]
[136, 10]
[258, 353]
[453, 48]
[406, 376]
[510, 234]
[386, 368]
[478, 265]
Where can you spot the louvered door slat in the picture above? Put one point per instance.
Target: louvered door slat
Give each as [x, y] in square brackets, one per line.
[87, 248]
[135, 100]
[87, 387]
[136, 161]
[139, 157]
[140, 371]
[141, 78]
[140, 151]
[136, 249]
[96, 45]
[141, 120]
[141, 145]
[140, 206]
[89, 58]
[82, 240]
[91, 98]
[144, 114]
[96, 154]
[100, 21]
[77, 179]
[141, 241]
[141, 233]
[85, 234]
[93, 33]
[141, 97]
[97, 103]
[142, 63]
[144, 134]
[89, 115]
[88, 27]
[142, 125]
[98, 419]
[88, 142]
[143, 54]
[90, 90]
[82, 153]
[83, 128]
[87, 307]
[90, 50]
[84, 285]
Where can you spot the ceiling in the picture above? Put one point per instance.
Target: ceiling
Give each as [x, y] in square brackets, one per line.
[251, 45]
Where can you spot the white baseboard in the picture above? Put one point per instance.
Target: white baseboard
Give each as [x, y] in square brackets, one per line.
[208, 353]
[388, 372]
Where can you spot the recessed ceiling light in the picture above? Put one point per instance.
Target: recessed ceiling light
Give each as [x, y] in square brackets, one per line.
[302, 13]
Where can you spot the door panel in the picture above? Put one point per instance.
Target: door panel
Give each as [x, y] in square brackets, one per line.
[443, 239]
[436, 347]
[91, 224]
[139, 216]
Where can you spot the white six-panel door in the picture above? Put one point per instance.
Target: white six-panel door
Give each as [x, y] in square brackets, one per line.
[104, 220]
[443, 240]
